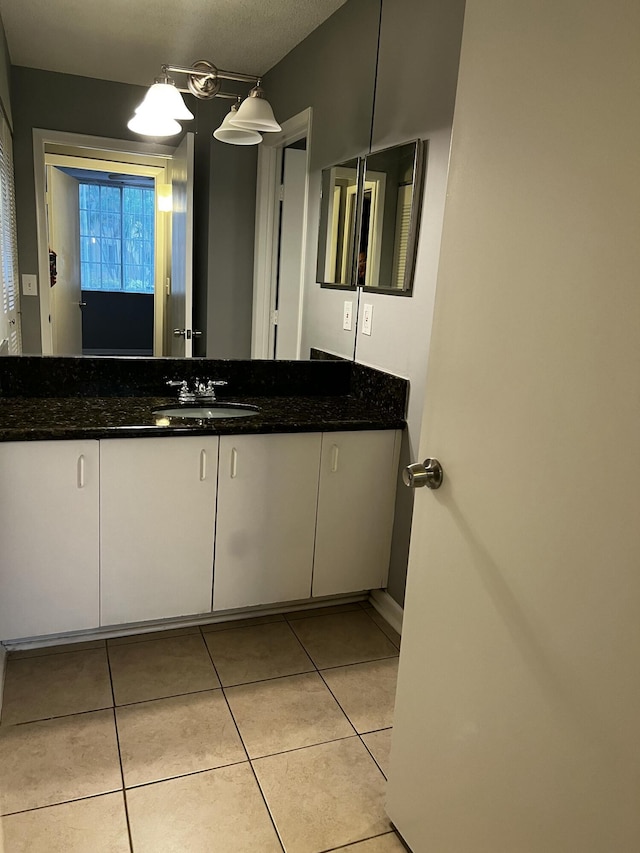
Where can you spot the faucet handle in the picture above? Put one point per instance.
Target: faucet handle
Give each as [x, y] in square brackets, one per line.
[184, 395]
[210, 387]
[208, 391]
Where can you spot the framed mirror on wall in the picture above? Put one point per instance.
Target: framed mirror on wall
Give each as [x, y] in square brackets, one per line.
[392, 184]
[369, 217]
[339, 224]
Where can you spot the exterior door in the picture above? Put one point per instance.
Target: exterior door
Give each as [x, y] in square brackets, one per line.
[181, 297]
[64, 240]
[518, 701]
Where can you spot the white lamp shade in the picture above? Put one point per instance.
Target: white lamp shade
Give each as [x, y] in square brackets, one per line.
[228, 132]
[255, 113]
[149, 125]
[165, 101]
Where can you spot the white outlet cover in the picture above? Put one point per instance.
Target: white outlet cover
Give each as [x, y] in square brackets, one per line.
[347, 321]
[367, 318]
[30, 285]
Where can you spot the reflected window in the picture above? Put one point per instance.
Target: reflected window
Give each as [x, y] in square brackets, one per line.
[117, 236]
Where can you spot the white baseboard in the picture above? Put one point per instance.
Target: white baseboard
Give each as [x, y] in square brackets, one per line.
[388, 608]
[43, 642]
[3, 661]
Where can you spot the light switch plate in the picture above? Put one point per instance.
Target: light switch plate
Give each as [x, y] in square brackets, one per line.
[30, 285]
[367, 318]
[347, 322]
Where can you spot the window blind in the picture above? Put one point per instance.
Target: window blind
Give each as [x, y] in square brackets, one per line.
[10, 338]
[403, 223]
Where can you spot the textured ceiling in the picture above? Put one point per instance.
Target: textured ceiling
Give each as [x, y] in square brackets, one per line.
[128, 40]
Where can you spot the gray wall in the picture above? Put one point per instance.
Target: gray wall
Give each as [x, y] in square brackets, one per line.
[230, 242]
[223, 257]
[332, 71]
[417, 69]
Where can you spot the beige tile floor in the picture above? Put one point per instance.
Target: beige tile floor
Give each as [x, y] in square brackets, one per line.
[264, 735]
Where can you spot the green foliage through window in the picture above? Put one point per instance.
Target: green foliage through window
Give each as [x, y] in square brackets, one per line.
[116, 238]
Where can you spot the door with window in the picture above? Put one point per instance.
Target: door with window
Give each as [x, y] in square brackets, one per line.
[123, 206]
[102, 243]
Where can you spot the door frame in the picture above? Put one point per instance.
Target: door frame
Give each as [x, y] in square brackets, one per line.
[267, 221]
[114, 150]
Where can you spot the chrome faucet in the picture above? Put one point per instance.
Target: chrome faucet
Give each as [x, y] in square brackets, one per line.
[203, 391]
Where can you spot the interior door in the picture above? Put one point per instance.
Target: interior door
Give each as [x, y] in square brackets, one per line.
[290, 269]
[64, 240]
[518, 702]
[181, 294]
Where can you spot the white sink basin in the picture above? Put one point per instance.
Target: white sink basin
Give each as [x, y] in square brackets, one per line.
[207, 413]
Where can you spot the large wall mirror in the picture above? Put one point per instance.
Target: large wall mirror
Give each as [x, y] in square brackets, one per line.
[224, 207]
[369, 220]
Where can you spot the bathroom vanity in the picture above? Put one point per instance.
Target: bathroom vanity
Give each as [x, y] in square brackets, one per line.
[112, 516]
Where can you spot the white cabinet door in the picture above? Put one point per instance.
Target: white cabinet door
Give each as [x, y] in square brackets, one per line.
[268, 487]
[49, 574]
[356, 501]
[158, 502]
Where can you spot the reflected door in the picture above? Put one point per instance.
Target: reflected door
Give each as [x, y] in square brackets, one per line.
[290, 268]
[180, 326]
[64, 240]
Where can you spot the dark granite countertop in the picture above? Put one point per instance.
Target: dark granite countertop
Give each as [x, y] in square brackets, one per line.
[84, 397]
[39, 418]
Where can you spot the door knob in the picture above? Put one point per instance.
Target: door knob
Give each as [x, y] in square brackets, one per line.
[428, 473]
[179, 333]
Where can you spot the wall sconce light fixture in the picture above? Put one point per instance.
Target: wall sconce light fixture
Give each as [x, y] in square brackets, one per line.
[163, 106]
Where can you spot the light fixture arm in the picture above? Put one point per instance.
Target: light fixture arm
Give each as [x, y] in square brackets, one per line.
[204, 79]
[244, 124]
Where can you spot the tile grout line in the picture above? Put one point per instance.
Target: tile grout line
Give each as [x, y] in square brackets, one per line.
[115, 723]
[195, 692]
[301, 644]
[361, 841]
[56, 717]
[61, 803]
[264, 799]
[358, 734]
[151, 782]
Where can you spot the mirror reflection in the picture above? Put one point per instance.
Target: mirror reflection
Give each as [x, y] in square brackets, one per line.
[339, 214]
[390, 210]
